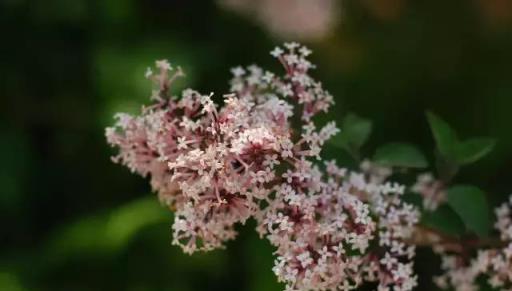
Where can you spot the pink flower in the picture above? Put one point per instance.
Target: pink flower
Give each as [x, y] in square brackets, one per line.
[217, 166]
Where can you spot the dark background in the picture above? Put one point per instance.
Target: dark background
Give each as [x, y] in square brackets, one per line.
[72, 220]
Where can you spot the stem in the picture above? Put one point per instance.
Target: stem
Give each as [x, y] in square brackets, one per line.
[354, 153]
[427, 236]
[446, 168]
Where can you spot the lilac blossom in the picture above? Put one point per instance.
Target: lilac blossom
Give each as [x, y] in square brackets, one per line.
[259, 156]
[432, 191]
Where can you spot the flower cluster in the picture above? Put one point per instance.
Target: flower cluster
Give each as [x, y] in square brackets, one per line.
[432, 191]
[495, 264]
[323, 229]
[257, 157]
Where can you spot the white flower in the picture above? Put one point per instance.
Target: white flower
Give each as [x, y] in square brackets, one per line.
[268, 77]
[182, 143]
[304, 51]
[276, 52]
[148, 73]
[291, 45]
[207, 102]
[163, 65]
[238, 71]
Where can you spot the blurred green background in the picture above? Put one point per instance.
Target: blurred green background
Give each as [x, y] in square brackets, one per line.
[72, 220]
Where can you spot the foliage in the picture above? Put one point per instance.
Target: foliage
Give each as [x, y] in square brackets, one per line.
[400, 155]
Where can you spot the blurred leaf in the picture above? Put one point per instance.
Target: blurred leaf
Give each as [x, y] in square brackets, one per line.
[460, 153]
[10, 282]
[127, 220]
[355, 131]
[473, 149]
[470, 203]
[259, 253]
[109, 232]
[117, 10]
[400, 155]
[444, 135]
[444, 219]
[15, 154]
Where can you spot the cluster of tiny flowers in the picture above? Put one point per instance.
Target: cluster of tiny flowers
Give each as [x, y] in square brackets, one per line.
[217, 166]
[396, 225]
[494, 264]
[323, 228]
[432, 191]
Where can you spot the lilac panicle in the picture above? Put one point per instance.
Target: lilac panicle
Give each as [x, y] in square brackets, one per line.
[258, 155]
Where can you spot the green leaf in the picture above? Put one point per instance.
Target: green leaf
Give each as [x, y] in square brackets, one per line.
[444, 219]
[444, 135]
[400, 155]
[473, 149]
[10, 281]
[453, 150]
[107, 232]
[470, 203]
[355, 131]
